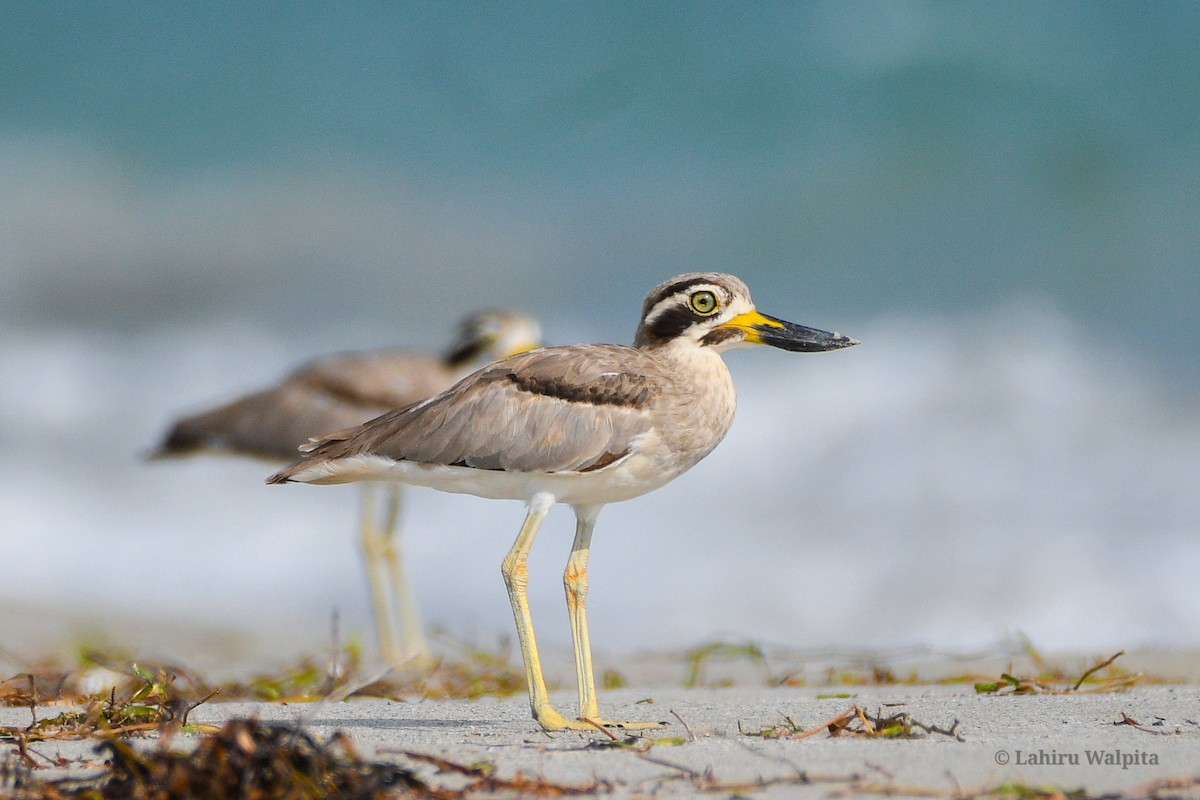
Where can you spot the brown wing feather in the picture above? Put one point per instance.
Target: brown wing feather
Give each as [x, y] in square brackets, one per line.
[377, 381]
[553, 410]
[334, 393]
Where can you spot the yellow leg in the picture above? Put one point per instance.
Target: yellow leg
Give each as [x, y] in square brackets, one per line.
[576, 583]
[516, 578]
[405, 605]
[373, 548]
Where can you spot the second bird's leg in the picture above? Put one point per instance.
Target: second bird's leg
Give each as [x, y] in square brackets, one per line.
[404, 602]
[373, 548]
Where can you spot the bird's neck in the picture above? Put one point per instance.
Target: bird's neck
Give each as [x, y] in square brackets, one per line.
[685, 352]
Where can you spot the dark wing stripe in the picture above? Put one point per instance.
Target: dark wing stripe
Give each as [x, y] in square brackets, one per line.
[375, 381]
[621, 389]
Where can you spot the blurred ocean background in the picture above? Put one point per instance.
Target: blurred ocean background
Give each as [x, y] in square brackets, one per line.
[999, 200]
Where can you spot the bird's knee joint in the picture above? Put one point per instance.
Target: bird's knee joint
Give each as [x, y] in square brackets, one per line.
[575, 580]
[515, 574]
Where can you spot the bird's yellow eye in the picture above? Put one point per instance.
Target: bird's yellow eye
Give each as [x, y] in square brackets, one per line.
[703, 303]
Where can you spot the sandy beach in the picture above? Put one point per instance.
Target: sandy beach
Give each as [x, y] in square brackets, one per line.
[713, 740]
[741, 741]
[734, 734]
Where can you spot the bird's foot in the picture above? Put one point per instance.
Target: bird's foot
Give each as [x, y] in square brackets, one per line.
[551, 720]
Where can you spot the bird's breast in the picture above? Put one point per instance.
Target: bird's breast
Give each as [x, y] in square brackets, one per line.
[693, 417]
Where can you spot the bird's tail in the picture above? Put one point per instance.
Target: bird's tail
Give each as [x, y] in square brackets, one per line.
[286, 475]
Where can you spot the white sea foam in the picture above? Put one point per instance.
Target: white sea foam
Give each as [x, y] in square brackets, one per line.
[947, 482]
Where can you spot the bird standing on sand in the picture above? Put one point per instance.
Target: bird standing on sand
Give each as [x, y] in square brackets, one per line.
[342, 390]
[583, 425]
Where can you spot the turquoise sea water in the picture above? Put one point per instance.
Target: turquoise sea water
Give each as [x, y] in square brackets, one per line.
[389, 161]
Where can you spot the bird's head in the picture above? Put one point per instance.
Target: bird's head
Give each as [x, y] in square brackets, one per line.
[714, 310]
[492, 335]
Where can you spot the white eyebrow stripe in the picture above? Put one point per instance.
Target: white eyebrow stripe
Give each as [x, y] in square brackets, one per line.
[662, 305]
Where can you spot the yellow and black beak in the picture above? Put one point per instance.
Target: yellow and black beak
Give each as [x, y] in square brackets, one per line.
[759, 328]
[521, 346]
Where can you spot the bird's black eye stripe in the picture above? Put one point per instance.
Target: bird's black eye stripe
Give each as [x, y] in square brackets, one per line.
[669, 324]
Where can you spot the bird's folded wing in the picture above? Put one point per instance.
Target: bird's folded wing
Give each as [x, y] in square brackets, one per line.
[375, 381]
[268, 424]
[551, 410]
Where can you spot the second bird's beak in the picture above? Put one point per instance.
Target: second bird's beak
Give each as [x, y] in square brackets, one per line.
[759, 328]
